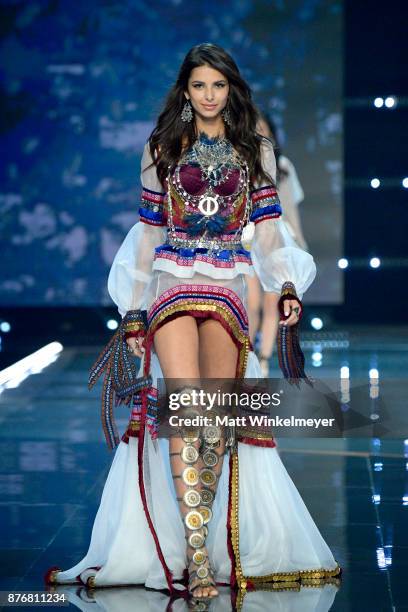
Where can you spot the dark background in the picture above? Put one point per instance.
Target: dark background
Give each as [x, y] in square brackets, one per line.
[375, 221]
[83, 86]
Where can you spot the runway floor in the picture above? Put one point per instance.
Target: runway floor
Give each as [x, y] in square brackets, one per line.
[53, 464]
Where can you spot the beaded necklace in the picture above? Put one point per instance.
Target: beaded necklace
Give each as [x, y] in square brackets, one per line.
[216, 158]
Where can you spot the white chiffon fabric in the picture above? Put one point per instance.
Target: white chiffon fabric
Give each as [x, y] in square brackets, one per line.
[135, 281]
[277, 532]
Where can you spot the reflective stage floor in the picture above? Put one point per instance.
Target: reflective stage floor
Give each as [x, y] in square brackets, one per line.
[53, 464]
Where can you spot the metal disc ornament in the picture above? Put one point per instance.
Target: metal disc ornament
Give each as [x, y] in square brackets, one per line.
[189, 454]
[202, 572]
[190, 435]
[210, 459]
[208, 205]
[194, 520]
[199, 557]
[196, 540]
[206, 513]
[190, 476]
[212, 434]
[207, 496]
[208, 477]
[192, 498]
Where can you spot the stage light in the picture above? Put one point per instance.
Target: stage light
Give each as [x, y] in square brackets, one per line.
[11, 377]
[405, 182]
[375, 262]
[343, 263]
[112, 324]
[390, 101]
[316, 323]
[376, 498]
[381, 558]
[378, 466]
[373, 373]
[344, 372]
[5, 327]
[375, 183]
[317, 358]
[378, 102]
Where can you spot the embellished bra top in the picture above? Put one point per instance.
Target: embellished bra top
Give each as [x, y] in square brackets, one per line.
[207, 204]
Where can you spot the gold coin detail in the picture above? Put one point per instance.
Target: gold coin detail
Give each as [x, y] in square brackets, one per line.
[199, 557]
[190, 435]
[192, 498]
[207, 496]
[210, 458]
[190, 476]
[193, 520]
[202, 572]
[206, 513]
[212, 434]
[207, 477]
[189, 454]
[196, 540]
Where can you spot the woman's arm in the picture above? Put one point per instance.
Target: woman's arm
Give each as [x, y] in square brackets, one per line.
[276, 256]
[131, 270]
[282, 267]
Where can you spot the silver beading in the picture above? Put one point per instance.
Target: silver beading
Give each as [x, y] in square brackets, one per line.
[213, 244]
[226, 115]
[187, 112]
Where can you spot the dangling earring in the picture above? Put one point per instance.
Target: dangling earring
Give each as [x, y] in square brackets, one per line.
[187, 112]
[226, 116]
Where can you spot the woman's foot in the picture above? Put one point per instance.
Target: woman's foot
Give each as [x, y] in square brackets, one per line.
[201, 582]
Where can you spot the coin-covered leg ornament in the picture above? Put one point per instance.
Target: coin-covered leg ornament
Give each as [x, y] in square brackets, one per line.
[189, 475]
[212, 448]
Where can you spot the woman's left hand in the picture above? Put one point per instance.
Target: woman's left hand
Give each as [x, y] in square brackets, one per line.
[292, 310]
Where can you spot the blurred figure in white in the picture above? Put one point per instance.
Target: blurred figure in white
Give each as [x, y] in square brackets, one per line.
[263, 306]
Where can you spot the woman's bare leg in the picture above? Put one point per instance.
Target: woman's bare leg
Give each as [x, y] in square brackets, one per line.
[217, 352]
[254, 305]
[177, 347]
[218, 360]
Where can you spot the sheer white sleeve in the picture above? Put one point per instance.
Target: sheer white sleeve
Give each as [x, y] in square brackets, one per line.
[131, 269]
[275, 255]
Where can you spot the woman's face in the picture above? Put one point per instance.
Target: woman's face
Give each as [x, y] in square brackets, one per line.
[207, 91]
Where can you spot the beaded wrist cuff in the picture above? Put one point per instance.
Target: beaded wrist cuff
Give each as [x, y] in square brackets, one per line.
[135, 323]
[289, 288]
[290, 355]
[121, 381]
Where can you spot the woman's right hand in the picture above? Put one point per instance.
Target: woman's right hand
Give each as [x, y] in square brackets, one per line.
[135, 346]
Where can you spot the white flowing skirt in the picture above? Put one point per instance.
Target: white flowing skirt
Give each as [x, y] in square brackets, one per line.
[276, 532]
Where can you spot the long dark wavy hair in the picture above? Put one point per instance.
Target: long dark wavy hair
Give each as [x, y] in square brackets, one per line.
[171, 135]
